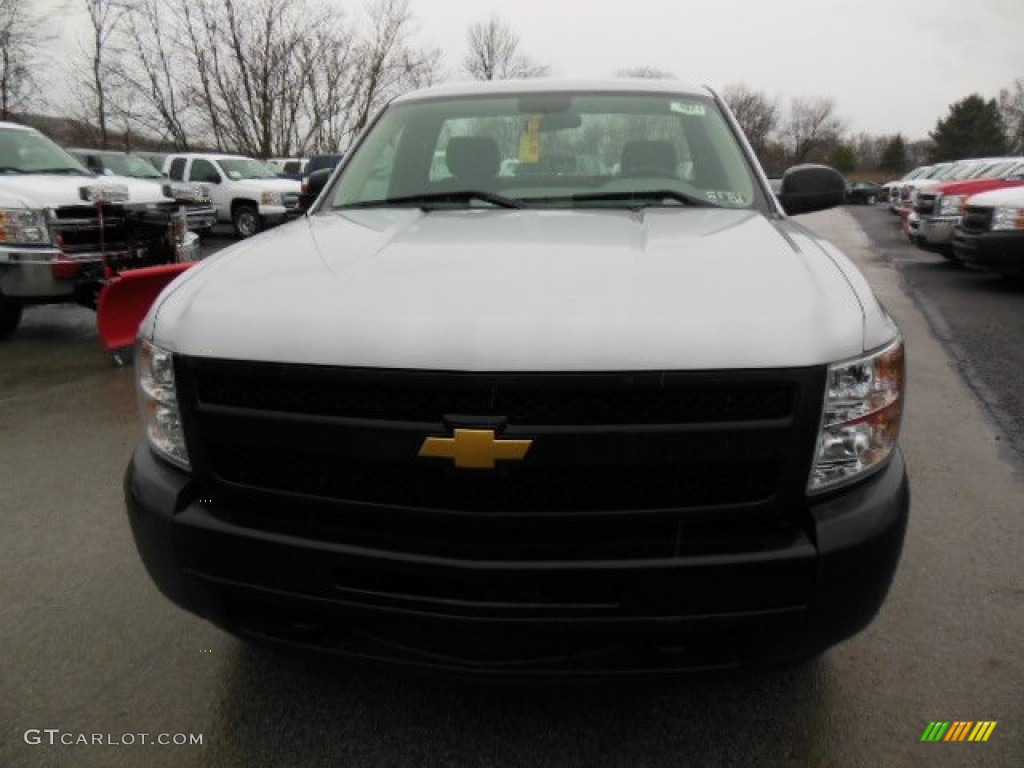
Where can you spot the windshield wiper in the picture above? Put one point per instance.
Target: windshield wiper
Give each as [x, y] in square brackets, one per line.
[424, 200]
[642, 198]
[11, 169]
[75, 171]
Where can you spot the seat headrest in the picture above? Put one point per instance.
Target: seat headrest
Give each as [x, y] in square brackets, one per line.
[473, 157]
[637, 155]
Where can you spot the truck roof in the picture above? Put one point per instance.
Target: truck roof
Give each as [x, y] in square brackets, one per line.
[549, 85]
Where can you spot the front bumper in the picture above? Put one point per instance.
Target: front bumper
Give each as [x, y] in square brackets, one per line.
[1001, 252]
[937, 231]
[46, 274]
[810, 588]
[201, 218]
[275, 214]
[27, 273]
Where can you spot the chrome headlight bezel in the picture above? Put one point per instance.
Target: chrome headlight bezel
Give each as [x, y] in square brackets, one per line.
[862, 412]
[104, 193]
[158, 403]
[25, 226]
[949, 205]
[1007, 218]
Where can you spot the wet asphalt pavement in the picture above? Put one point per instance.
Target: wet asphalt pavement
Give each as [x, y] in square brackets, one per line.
[89, 647]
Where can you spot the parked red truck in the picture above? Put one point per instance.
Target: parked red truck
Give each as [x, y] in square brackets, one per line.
[939, 208]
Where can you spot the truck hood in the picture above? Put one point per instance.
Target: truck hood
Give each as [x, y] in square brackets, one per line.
[531, 290]
[1008, 196]
[46, 191]
[973, 186]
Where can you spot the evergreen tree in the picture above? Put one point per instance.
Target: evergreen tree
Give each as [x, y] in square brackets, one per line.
[973, 128]
[894, 156]
[844, 158]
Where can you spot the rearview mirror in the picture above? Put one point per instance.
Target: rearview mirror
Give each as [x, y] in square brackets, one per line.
[807, 188]
[312, 187]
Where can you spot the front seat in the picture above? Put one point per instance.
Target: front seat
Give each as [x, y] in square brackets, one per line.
[649, 158]
[473, 160]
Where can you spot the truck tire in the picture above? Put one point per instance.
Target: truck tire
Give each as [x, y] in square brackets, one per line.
[10, 316]
[246, 220]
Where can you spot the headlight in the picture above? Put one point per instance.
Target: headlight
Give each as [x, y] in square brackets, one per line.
[181, 192]
[23, 226]
[108, 193]
[270, 198]
[950, 205]
[1008, 218]
[158, 402]
[861, 419]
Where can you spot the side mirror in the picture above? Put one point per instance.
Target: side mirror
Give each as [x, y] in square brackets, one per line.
[807, 188]
[312, 187]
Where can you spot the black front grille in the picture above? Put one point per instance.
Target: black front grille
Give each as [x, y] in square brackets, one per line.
[976, 220]
[641, 398]
[623, 459]
[525, 488]
[925, 205]
[130, 232]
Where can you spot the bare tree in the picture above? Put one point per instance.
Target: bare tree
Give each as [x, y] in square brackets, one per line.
[757, 114]
[646, 73]
[23, 36]
[270, 77]
[494, 53]
[105, 16]
[1011, 106]
[387, 64]
[155, 74]
[812, 128]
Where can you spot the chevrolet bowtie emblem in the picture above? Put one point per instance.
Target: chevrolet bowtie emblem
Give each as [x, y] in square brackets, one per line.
[474, 448]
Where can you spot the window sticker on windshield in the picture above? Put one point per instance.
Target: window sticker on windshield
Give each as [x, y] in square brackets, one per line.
[685, 108]
[529, 144]
[726, 197]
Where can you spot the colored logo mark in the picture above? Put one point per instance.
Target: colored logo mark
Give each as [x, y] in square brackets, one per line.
[959, 730]
[475, 448]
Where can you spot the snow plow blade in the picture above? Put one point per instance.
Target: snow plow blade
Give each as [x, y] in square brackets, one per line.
[125, 300]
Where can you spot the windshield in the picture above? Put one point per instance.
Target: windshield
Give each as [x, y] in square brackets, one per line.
[549, 149]
[129, 165]
[31, 152]
[993, 170]
[940, 171]
[967, 171]
[236, 168]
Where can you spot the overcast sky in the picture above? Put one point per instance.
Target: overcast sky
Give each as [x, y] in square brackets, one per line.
[890, 65]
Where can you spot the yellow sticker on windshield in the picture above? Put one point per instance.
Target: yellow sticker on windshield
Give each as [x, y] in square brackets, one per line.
[529, 143]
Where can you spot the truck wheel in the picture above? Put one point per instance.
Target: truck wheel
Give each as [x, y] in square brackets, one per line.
[10, 316]
[246, 220]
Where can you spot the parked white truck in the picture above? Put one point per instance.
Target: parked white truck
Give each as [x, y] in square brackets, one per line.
[584, 418]
[63, 229]
[247, 192]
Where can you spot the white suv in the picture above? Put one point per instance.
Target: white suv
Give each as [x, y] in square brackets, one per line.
[247, 192]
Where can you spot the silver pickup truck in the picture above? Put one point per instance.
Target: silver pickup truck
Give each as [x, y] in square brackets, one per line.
[64, 230]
